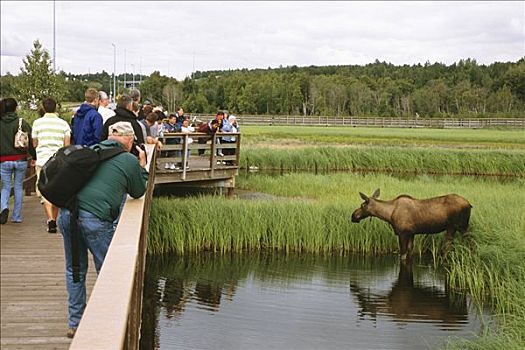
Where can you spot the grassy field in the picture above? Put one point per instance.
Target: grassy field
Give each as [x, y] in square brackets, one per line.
[304, 136]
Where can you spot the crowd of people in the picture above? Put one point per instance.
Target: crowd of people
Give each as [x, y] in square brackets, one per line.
[128, 126]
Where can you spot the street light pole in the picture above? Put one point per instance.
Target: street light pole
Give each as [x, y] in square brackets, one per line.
[125, 70]
[114, 72]
[54, 40]
[133, 75]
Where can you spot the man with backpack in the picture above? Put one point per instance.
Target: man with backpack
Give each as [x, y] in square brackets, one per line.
[98, 204]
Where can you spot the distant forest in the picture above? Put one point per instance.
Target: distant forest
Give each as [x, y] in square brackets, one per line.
[463, 89]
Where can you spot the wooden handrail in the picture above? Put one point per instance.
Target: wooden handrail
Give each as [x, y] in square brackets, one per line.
[113, 314]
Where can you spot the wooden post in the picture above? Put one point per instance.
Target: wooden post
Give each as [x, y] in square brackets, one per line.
[213, 155]
[238, 151]
[184, 156]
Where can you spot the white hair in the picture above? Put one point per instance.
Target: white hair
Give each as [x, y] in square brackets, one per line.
[102, 95]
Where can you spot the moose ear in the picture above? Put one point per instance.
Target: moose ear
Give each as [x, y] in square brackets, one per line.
[364, 196]
[376, 194]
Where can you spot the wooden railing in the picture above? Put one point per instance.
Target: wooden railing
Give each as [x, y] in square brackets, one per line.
[113, 314]
[472, 123]
[186, 153]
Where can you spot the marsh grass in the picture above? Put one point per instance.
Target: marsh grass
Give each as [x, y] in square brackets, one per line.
[389, 160]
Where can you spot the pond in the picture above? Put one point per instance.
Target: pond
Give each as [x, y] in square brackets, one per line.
[300, 301]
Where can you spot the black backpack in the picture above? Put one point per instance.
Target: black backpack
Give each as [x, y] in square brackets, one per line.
[69, 169]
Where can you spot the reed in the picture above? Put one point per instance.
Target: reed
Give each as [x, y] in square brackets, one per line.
[388, 159]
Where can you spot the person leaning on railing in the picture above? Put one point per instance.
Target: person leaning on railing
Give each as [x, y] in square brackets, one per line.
[13, 160]
[99, 204]
[230, 126]
[207, 128]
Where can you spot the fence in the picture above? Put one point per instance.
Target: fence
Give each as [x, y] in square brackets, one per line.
[443, 123]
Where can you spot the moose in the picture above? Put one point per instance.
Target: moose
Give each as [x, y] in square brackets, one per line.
[409, 216]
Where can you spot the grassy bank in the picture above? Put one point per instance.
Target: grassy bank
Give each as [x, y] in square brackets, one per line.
[388, 159]
[304, 136]
[311, 214]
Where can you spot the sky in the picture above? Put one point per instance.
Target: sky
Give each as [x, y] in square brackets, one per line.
[178, 37]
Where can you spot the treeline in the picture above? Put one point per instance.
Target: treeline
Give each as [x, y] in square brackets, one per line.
[462, 89]
[378, 89]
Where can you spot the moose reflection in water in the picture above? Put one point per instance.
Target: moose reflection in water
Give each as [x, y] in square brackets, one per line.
[409, 216]
[409, 301]
[200, 301]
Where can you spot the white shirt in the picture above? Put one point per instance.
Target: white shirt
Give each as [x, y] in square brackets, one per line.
[106, 113]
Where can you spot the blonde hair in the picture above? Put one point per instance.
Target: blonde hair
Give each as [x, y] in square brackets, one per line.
[91, 95]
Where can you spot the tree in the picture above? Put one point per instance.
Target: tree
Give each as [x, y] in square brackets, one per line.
[37, 80]
[172, 96]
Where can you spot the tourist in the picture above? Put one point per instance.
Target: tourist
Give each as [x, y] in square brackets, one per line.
[219, 117]
[230, 126]
[187, 129]
[103, 109]
[180, 115]
[210, 129]
[87, 122]
[50, 133]
[171, 126]
[124, 113]
[13, 160]
[150, 122]
[99, 204]
[135, 95]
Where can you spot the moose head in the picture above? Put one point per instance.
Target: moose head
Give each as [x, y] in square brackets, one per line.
[364, 210]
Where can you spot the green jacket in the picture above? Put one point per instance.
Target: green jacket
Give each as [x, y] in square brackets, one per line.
[103, 194]
[8, 129]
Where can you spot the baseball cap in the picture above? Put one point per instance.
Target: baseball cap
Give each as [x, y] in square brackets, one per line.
[121, 129]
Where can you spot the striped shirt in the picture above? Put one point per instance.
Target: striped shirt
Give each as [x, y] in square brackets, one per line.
[50, 132]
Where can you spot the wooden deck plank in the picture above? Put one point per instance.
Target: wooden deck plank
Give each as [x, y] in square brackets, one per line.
[33, 295]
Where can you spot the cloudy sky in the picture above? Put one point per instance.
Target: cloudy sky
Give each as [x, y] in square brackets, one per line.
[179, 37]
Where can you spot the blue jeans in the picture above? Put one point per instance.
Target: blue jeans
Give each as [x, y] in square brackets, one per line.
[18, 168]
[94, 235]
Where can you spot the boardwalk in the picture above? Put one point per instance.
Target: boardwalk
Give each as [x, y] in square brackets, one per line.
[33, 292]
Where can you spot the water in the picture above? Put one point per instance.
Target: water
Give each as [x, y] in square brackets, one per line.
[273, 301]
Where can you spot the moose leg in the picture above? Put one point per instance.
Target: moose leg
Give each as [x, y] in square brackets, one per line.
[449, 236]
[410, 245]
[403, 246]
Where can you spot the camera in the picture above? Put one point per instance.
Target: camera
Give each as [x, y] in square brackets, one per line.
[134, 150]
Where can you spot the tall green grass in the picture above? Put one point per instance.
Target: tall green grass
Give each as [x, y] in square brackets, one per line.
[388, 159]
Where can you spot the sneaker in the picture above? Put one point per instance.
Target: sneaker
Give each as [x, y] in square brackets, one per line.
[51, 226]
[167, 166]
[173, 167]
[220, 154]
[187, 167]
[3, 216]
[71, 332]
